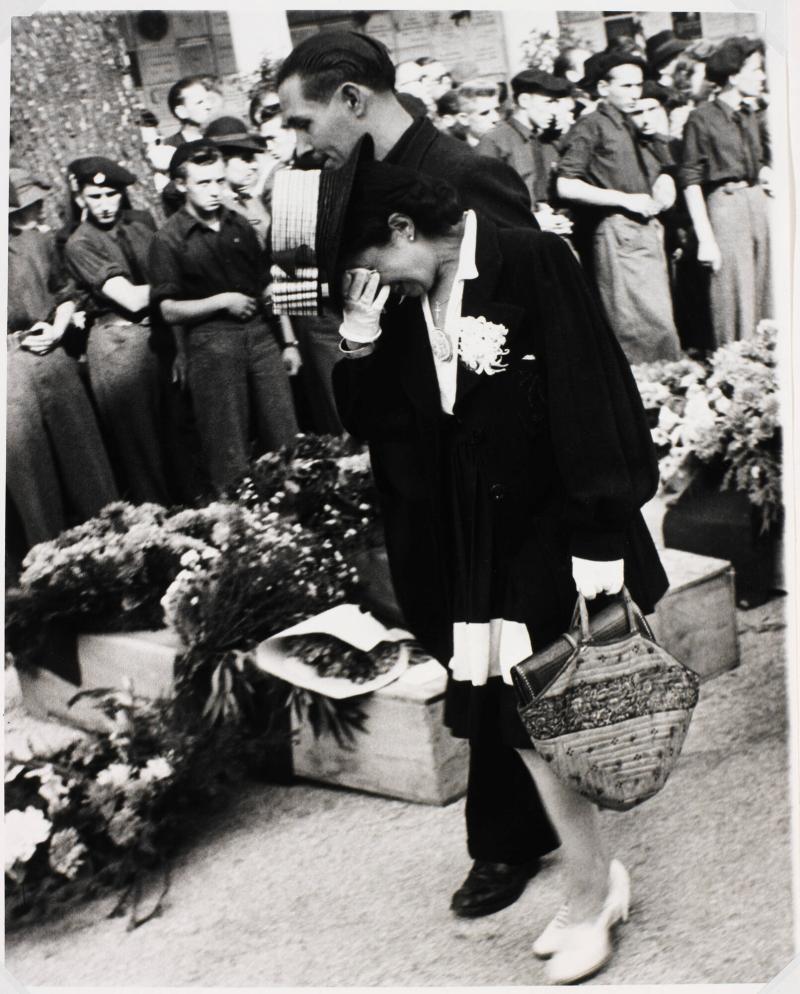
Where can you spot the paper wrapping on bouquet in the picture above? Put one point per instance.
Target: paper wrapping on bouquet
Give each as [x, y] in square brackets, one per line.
[348, 624]
[612, 721]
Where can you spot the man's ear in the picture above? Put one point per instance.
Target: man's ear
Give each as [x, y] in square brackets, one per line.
[523, 100]
[180, 113]
[602, 87]
[354, 98]
[463, 118]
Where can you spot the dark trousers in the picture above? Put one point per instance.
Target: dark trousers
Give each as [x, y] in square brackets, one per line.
[127, 388]
[506, 821]
[238, 383]
[319, 347]
[57, 470]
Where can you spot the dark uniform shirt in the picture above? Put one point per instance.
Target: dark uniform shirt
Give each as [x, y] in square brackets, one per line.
[721, 144]
[533, 159]
[95, 255]
[191, 261]
[602, 149]
[36, 282]
[656, 151]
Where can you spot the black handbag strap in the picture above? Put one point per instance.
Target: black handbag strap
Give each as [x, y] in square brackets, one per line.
[636, 620]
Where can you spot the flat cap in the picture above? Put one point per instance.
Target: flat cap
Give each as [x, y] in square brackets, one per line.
[729, 58]
[662, 48]
[100, 171]
[189, 149]
[537, 81]
[598, 66]
[25, 189]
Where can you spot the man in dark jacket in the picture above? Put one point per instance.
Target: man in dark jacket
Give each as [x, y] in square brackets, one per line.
[335, 87]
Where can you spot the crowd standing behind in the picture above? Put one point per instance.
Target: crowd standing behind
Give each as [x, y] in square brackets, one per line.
[147, 364]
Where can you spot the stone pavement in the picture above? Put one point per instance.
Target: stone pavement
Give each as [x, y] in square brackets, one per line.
[307, 885]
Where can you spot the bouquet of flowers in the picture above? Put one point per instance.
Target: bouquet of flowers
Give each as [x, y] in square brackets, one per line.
[97, 813]
[726, 412]
[323, 482]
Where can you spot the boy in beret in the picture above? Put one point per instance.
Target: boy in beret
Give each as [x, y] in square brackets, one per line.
[726, 179]
[57, 470]
[210, 277]
[107, 255]
[528, 141]
[603, 170]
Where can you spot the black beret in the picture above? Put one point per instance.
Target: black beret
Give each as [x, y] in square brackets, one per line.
[655, 91]
[729, 58]
[537, 81]
[598, 66]
[100, 171]
[186, 151]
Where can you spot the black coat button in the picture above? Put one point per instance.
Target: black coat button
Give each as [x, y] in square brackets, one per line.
[497, 491]
[477, 436]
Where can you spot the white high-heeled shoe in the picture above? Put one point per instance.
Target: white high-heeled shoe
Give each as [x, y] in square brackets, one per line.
[548, 941]
[584, 948]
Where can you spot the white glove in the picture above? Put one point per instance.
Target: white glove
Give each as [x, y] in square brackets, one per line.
[362, 306]
[593, 578]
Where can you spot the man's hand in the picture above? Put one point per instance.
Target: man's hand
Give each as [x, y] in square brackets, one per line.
[363, 303]
[708, 254]
[180, 371]
[640, 203]
[548, 220]
[239, 305]
[765, 179]
[292, 360]
[42, 338]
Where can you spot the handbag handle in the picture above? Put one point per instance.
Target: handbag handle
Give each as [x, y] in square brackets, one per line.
[631, 613]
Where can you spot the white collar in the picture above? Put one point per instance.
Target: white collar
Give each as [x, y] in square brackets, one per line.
[467, 270]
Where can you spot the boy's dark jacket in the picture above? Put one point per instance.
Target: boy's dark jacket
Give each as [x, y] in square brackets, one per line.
[562, 438]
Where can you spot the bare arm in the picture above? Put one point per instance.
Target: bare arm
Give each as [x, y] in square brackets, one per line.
[238, 305]
[707, 249]
[578, 190]
[122, 292]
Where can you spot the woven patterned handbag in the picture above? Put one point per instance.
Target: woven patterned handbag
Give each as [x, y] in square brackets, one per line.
[612, 721]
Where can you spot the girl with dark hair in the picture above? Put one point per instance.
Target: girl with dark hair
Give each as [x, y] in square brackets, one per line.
[512, 455]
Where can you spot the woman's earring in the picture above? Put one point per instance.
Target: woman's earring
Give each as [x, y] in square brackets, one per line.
[411, 238]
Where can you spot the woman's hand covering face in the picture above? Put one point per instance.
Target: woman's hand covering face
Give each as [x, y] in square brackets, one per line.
[363, 303]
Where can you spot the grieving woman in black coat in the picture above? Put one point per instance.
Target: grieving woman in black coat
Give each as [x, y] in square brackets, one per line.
[512, 455]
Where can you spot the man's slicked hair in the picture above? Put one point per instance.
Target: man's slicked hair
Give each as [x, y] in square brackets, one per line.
[329, 58]
[176, 91]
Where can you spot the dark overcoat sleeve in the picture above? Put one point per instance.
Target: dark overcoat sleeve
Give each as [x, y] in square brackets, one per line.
[601, 440]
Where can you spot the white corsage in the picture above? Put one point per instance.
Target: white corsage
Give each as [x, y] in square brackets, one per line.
[480, 345]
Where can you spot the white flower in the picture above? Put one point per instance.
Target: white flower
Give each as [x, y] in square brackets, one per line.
[156, 769]
[115, 775]
[24, 831]
[51, 787]
[190, 558]
[66, 852]
[480, 345]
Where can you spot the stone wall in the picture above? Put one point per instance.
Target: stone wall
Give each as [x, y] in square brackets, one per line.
[71, 96]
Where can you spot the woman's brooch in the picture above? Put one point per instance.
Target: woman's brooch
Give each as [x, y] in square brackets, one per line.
[480, 345]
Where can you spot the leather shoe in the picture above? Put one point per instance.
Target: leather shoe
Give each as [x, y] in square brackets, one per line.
[490, 887]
